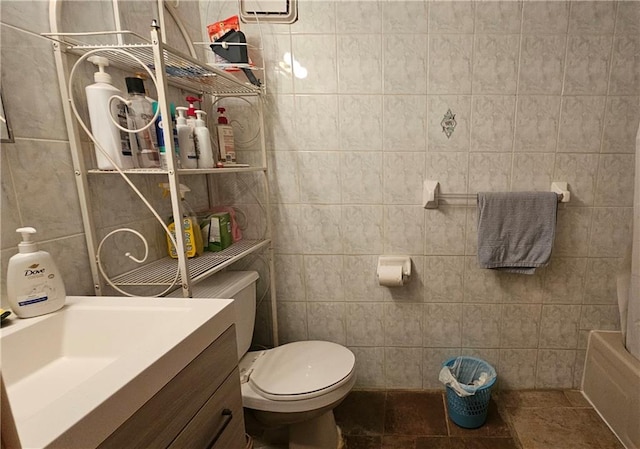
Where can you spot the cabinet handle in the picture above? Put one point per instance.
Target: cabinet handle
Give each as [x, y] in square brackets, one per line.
[227, 416]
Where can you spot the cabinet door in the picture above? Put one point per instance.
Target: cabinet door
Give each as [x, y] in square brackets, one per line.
[163, 417]
[220, 422]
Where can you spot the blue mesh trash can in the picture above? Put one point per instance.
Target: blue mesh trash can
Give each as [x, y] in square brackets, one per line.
[469, 412]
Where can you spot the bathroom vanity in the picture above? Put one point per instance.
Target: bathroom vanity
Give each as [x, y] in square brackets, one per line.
[123, 372]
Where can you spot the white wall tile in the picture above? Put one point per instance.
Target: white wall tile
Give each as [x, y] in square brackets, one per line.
[545, 17]
[450, 169]
[292, 322]
[450, 63]
[316, 122]
[370, 367]
[442, 325]
[362, 229]
[596, 17]
[360, 64]
[588, 59]
[581, 123]
[403, 324]
[317, 54]
[361, 177]
[290, 277]
[611, 231]
[359, 17]
[405, 63]
[564, 281]
[319, 229]
[451, 17]
[601, 286]
[537, 123]
[360, 122]
[532, 172]
[481, 325]
[625, 73]
[579, 171]
[284, 178]
[403, 176]
[489, 172]
[541, 64]
[572, 231]
[403, 229]
[602, 317]
[495, 63]
[520, 325]
[559, 328]
[498, 17]
[481, 285]
[628, 18]
[315, 18]
[403, 367]
[433, 358]
[493, 123]
[555, 368]
[323, 277]
[443, 278]
[517, 366]
[622, 117]
[615, 180]
[326, 321]
[361, 280]
[365, 324]
[319, 186]
[445, 231]
[405, 17]
[405, 123]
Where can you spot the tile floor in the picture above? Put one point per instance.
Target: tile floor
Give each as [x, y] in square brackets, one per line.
[536, 419]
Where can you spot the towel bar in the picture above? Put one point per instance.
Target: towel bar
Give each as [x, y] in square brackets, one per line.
[432, 195]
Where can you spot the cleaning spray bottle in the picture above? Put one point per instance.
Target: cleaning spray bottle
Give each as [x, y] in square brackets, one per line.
[191, 111]
[34, 284]
[188, 154]
[224, 133]
[193, 243]
[113, 141]
[203, 142]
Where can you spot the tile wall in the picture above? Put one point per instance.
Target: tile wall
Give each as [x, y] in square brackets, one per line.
[541, 91]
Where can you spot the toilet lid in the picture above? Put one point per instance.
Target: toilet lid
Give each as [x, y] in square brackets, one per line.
[301, 368]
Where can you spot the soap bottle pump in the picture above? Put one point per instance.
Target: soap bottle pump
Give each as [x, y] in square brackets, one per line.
[34, 284]
[188, 154]
[113, 141]
[191, 111]
[203, 142]
[224, 133]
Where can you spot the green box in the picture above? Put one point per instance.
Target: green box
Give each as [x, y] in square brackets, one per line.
[219, 231]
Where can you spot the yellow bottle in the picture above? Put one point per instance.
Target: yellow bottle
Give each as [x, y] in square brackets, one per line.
[193, 243]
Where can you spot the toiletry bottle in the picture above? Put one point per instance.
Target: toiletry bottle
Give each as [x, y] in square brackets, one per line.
[107, 135]
[194, 245]
[191, 111]
[140, 114]
[188, 154]
[34, 284]
[224, 133]
[161, 138]
[203, 142]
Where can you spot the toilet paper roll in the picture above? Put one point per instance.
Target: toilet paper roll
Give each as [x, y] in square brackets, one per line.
[390, 276]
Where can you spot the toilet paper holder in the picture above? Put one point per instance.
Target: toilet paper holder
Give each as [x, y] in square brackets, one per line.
[388, 261]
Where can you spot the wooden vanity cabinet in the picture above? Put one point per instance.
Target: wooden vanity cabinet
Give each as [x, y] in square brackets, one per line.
[200, 408]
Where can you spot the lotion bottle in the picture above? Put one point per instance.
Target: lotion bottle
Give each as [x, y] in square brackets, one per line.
[188, 154]
[112, 140]
[203, 142]
[34, 284]
[226, 144]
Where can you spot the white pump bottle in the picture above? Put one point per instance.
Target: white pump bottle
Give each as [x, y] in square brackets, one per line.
[112, 140]
[188, 154]
[203, 142]
[34, 284]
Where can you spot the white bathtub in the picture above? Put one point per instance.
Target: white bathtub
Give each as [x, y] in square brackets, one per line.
[611, 382]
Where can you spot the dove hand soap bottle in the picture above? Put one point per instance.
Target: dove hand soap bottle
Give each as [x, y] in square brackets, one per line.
[34, 284]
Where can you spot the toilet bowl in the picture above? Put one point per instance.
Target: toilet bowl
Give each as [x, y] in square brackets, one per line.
[296, 384]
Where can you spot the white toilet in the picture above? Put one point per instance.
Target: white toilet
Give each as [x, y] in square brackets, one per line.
[297, 384]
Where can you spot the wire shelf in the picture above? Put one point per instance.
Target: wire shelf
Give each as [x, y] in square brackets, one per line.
[181, 70]
[163, 271]
[181, 171]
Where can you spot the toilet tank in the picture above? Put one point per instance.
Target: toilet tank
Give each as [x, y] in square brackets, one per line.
[239, 286]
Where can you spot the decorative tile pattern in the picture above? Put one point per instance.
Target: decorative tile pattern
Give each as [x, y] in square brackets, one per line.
[448, 123]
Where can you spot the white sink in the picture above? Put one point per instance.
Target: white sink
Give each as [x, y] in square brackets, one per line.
[77, 374]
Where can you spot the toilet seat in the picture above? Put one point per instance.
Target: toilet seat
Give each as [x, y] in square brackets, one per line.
[296, 376]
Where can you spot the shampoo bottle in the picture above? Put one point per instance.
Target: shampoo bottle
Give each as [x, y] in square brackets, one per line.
[140, 113]
[224, 133]
[34, 284]
[188, 154]
[203, 142]
[112, 140]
